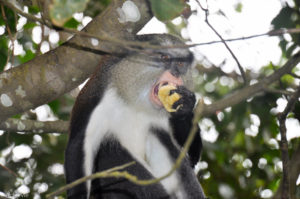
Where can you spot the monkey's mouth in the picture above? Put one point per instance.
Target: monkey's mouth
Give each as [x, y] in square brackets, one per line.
[165, 79]
[154, 93]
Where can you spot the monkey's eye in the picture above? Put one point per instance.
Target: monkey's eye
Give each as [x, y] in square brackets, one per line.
[180, 64]
[165, 58]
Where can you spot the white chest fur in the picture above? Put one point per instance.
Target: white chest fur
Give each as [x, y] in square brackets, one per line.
[131, 129]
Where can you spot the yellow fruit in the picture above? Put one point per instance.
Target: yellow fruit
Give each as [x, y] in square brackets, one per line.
[166, 99]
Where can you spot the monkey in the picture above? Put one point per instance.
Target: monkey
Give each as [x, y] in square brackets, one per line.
[137, 107]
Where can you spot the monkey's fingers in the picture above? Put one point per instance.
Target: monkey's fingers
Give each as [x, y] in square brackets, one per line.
[168, 98]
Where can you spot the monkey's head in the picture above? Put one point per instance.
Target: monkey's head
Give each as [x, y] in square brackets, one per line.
[138, 76]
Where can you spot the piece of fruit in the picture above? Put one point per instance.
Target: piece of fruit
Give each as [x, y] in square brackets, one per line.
[168, 99]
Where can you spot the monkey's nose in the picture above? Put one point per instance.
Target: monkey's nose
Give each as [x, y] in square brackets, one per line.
[178, 69]
[170, 77]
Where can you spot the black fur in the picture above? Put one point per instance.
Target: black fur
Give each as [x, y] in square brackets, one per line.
[121, 188]
[181, 122]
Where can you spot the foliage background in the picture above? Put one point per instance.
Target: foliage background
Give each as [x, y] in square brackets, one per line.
[244, 160]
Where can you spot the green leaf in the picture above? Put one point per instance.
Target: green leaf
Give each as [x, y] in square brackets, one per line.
[29, 25]
[28, 56]
[33, 9]
[62, 10]
[287, 79]
[165, 10]
[283, 44]
[239, 139]
[3, 58]
[3, 52]
[239, 7]
[54, 105]
[71, 23]
[284, 19]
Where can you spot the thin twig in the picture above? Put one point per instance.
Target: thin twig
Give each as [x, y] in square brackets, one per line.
[134, 45]
[270, 33]
[224, 42]
[294, 75]
[9, 170]
[115, 173]
[6, 22]
[277, 91]
[90, 177]
[285, 188]
[10, 35]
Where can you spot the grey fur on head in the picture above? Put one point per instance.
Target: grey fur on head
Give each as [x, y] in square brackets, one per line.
[134, 75]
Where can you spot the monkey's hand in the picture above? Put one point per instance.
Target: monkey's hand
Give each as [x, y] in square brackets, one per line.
[176, 100]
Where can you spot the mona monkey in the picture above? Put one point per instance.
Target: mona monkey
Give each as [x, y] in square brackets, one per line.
[136, 108]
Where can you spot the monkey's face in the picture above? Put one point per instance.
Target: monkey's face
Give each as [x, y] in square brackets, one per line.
[138, 77]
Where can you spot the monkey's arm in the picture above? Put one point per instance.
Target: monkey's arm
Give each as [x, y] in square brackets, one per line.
[74, 154]
[74, 168]
[181, 128]
[181, 122]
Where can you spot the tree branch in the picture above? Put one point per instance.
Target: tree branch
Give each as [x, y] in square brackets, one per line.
[294, 171]
[33, 126]
[277, 91]
[50, 75]
[251, 90]
[285, 185]
[224, 42]
[9, 170]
